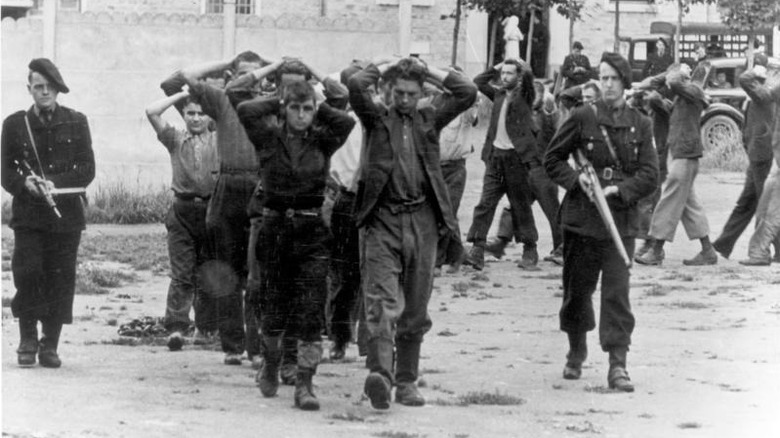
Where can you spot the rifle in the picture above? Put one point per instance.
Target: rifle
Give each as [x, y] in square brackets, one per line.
[596, 195]
[43, 188]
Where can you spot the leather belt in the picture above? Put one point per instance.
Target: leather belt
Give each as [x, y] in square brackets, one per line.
[610, 174]
[405, 207]
[291, 212]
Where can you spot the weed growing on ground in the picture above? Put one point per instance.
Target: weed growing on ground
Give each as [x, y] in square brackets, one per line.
[693, 305]
[115, 202]
[147, 251]
[106, 277]
[689, 425]
[85, 285]
[396, 434]
[489, 398]
[656, 290]
[347, 416]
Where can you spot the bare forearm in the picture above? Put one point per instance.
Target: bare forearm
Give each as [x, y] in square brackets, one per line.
[194, 73]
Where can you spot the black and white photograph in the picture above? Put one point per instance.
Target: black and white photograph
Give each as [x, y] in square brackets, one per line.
[390, 218]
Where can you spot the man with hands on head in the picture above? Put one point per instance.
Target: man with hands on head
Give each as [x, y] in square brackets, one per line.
[402, 208]
[293, 245]
[227, 220]
[618, 142]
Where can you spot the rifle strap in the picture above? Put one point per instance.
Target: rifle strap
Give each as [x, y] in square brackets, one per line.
[32, 142]
[608, 140]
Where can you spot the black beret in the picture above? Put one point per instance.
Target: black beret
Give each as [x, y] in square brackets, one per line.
[348, 72]
[619, 63]
[577, 45]
[45, 67]
[571, 97]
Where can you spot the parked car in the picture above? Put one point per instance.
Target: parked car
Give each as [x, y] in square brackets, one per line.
[722, 121]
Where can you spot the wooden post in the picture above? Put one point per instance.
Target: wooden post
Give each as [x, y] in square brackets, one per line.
[530, 36]
[228, 28]
[616, 47]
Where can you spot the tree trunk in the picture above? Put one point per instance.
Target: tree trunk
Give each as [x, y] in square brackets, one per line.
[455, 34]
[492, 44]
[678, 31]
[616, 47]
[750, 51]
[530, 37]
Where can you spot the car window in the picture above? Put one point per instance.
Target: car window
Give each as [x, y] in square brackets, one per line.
[640, 51]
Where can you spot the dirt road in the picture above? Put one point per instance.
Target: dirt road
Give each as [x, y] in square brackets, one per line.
[705, 360]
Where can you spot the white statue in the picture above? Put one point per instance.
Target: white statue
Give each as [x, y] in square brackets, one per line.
[512, 37]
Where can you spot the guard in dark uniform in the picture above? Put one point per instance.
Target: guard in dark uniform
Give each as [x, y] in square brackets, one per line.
[45, 150]
[618, 141]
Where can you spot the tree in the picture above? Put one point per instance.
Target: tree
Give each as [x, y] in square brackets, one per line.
[748, 16]
[499, 9]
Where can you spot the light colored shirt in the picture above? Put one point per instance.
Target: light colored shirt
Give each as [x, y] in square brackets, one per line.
[193, 160]
[345, 162]
[502, 140]
[453, 139]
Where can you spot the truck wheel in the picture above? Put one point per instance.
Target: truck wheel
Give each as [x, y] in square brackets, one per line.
[721, 131]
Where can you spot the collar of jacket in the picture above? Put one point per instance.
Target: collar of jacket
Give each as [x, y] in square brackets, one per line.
[616, 118]
[35, 120]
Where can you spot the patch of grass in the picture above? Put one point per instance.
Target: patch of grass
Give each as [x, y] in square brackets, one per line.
[116, 202]
[727, 156]
[432, 371]
[347, 416]
[146, 251]
[656, 290]
[489, 398]
[693, 305]
[689, 425]
[106, 277]
[85, 286]
[396, 434]
[447, 332]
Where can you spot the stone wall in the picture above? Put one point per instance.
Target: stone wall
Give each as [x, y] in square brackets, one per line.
[114, 63]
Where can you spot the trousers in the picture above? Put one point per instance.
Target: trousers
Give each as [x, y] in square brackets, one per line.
[344, 269]
[767, 218]
[585, 258]
[454, 172]
[679, 203]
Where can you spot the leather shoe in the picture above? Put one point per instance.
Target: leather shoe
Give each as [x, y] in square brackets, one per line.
[703, 258]
[25, 359]
[232, 359]
[572, 371]
[49, 359]
[408, 395]
[475, 258]
[530, 258]
[652, 257]
[338, 351]
[377, 388]
[289, 373]
[618, 379]
[755, 262]
[495, 247]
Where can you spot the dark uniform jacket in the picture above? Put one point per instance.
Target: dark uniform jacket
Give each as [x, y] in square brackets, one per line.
[65, 149]
[519, 118]
[380, 122]
[632, 137]
[290, 181]
[760, 118]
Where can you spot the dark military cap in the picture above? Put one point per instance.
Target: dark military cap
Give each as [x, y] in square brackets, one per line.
[347, 73]
[620, 64]
[577, 45]
[571, 97]
[47, 68]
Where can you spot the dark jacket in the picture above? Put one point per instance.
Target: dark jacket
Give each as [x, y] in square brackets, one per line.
[567, 69]
[293, 182]
[760, 118]
[65, 149]
[684, 140]
[660, 110]
[519, 118]
[632, 138]
[656, 64]
[378, 122]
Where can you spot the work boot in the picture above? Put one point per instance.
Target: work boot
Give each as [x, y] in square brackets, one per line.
[496, 246]
[268, 379]
[47, 354]
[378, 384]
[653, 257]
[289, 360]
[618, 376]
[304, 395]
[530, 257]
[578, 352]
[407, 365]
[703, 258]
[28, 342]
[309, 356]
[475, 258]
[556, 256]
